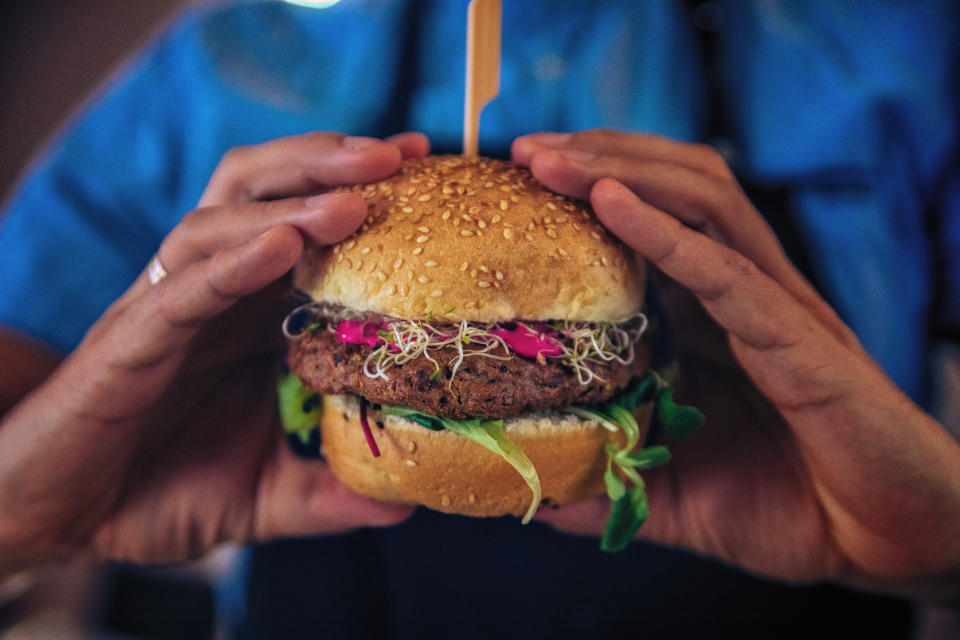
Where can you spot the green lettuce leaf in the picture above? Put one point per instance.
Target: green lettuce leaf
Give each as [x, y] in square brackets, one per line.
[678, 421]
[627, 515]
[300, 408]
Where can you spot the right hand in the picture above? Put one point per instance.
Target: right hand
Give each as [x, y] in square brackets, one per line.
[157, 438]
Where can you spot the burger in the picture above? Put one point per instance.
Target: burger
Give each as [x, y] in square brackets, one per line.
[478, 347]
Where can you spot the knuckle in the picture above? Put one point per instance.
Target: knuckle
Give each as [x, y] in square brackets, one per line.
[738, 265]
[234, 157]
[712, 160]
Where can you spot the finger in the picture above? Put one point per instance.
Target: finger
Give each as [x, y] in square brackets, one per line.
[718, 207]
[586, 518]
[299, 165]
[671, 176]
[322, 219]
[139, 342]
[642, 146]
[411, 144]
[744, 300]
[302, 497]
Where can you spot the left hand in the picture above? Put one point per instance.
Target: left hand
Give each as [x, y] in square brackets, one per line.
[812, 464]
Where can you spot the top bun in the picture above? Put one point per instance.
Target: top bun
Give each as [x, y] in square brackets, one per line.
[476, 239]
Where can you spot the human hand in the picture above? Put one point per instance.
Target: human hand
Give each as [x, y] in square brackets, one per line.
[812, 464]
[157, 438]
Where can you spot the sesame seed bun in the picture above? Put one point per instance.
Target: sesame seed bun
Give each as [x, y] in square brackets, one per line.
[480, 240]
[447, 472]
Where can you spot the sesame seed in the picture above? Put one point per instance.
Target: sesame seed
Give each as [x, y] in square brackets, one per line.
[551, 233]
[604, 260]
[365, 251]
[430, 263]
[507, 234]
[422, 239]
[495, 219]
[423, 229]
[499, 275]
[482, 224]
[577, 227]
[371, 267]
[552, 206]
[483, 284]
[408, 237]
[447, 190]
[595, 235]
[411, 191]
[445, 500]
[514, 199]
[466, 232]
[463, 267]
[547, 220]
[381, 276]
[336, 248]
[339, 258]
[437, 293]
[484, 268]
[411, 463]
[423, 279]
[358, 265]
[531, 227]
[411, 446]
[446, 215]
[403, 290]
[392, 290]
[562, 218]
[475, 209]
[528, 237]
[417, 251]
[398, 263]
[473, 273]
[407, 209]
[503, 205]
[350, 244]
[562, 252]
[424, 198]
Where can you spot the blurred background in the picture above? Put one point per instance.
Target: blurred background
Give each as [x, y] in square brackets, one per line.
[55, 53]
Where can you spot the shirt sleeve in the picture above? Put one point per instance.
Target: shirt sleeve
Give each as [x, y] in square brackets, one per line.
[89, 213]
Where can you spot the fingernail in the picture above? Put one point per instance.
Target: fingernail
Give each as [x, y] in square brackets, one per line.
[550, 139]
[576, 155]
[319, 200]
[357, 143]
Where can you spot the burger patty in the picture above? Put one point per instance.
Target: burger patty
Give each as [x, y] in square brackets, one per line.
[482, 388]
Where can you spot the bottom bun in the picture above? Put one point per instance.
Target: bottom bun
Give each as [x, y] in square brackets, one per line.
[448, 472]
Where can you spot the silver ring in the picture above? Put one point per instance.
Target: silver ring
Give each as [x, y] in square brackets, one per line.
[155, 270]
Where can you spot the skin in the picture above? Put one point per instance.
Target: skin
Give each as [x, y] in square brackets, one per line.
[812, 466]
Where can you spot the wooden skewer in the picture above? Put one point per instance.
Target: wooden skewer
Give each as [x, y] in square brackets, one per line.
[483, 67]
